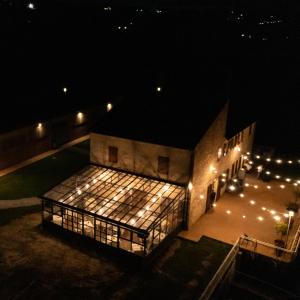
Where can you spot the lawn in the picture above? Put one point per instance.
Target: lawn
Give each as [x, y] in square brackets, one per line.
[185, 274]
[39, 177]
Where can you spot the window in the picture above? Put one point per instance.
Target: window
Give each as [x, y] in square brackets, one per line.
[250, 129]
[163, 165]
[112, 154]
[220, 152]
[225, 149]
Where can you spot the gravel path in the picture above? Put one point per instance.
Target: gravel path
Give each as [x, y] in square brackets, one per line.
[4, 204]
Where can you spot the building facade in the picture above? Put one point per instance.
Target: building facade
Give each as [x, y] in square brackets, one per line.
[201, 169]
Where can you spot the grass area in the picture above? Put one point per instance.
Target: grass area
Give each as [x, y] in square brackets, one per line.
[39, 177]
[10, 214]
[185, 274]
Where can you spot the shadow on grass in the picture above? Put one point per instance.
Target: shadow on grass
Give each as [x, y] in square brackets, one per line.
[10, 214]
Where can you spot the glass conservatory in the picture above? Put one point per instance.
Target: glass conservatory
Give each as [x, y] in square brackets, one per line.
[115, 208]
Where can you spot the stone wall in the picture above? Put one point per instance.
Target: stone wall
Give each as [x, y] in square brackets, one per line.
[141, 158]
[207, 167]
[21, 144]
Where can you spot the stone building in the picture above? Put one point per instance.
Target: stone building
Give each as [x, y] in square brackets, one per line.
[177, 143]
[154, 168]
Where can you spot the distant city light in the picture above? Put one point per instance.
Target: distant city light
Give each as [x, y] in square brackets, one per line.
[158, 89]
[65, 89]
[31, 6]
[109, 107]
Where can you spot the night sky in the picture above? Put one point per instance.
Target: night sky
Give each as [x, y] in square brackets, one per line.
[103, 54]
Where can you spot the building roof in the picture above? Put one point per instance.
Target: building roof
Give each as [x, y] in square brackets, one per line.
[239, 117]
[130, 200]
[177, 122]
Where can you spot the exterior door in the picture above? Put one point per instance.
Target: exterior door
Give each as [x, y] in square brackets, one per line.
[208, 197]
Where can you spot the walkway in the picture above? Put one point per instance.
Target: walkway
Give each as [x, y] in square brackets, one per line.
[43, 155]
[5, 204]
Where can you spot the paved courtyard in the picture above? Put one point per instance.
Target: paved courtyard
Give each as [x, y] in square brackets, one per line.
[252, 213]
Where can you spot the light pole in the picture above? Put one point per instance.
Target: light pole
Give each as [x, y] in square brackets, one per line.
[291, 214]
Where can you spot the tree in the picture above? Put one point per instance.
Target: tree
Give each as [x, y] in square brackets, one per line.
[281, 228]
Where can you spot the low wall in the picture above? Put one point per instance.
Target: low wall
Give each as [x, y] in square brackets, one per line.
[23, 143]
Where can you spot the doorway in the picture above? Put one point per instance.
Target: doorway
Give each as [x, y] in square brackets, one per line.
[212, 193]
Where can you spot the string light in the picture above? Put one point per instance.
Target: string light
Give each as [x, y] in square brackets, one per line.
[278, 161]
[228, 212]
[260, 218]
[252, 202]
[244, 217]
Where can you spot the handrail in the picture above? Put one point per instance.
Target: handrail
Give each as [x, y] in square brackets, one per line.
[224, 267]
[210, 288]
[296, 236]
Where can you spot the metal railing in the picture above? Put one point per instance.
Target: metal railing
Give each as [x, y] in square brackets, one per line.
[243, 241]
[221, 272]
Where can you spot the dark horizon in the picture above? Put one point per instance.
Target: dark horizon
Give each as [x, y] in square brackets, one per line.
[209, 51]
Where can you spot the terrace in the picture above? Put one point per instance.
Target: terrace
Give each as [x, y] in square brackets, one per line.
[115, 208]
